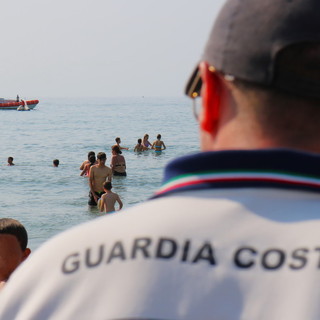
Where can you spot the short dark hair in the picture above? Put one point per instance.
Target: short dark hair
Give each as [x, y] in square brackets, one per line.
[101, 156]
[107, 185]
[139, 140]
[159, 136]
[117, 139]
[15, 228]
[56, 162]
[10, 158]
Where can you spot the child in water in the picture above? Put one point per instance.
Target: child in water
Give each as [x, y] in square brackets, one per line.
[108, 199]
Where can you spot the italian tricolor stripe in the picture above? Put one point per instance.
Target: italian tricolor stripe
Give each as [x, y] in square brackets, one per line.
[238, 177]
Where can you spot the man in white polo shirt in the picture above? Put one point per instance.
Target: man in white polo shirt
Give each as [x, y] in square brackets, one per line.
[234, 231]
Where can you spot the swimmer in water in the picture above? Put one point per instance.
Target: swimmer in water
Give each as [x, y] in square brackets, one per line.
[55, 162]
[158, 145]
[118, 141]
[139, 147]
[10, 161]
[146, 142]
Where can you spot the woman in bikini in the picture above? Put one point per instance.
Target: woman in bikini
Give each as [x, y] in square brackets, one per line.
[118, 163]
[158, 145]
[146, 142]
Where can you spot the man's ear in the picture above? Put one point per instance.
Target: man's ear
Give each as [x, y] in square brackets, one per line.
[26, 254]
[211, 98]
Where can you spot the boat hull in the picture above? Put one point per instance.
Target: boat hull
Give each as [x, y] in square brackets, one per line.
[14, 105]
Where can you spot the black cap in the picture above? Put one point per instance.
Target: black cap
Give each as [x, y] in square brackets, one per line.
[249, 34]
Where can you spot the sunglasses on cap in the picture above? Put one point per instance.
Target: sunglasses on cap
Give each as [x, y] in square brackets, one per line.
[193, 88]
[194, 84]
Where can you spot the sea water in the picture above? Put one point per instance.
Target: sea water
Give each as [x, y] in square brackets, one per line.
[48, 200]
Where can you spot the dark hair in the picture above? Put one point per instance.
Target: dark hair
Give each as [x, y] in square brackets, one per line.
[117, 139]
[92, 159]
[116, 149]
[107, 185]
[159, 136]
[10, 158]
[15, 228]
[139, 140]
[90, 153]
[56, 162]
[101, 156]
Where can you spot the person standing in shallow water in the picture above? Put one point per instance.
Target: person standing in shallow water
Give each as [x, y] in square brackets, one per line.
[98, 174]
[139, 147]
[118, 141]
[145, 142]
[158, 145]
[90, 153]
[118, 162]
[108, 199]
[86, 169]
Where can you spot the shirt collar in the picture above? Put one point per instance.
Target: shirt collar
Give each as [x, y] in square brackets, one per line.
[275, 168]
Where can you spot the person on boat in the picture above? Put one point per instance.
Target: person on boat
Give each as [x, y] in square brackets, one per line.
[87, 161]
[108, 199]
[98, 174]
[118, 162]
[86, 169]
[56, 162]
[118, 141]
[158, 145]
[13, 247]
[10, 161]
[18, 98]
[146, 142]
[139, 146]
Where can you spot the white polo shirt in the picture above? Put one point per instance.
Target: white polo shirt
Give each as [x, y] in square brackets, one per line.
[230, 235]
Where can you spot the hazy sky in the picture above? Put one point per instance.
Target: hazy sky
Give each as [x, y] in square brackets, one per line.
[101, 48]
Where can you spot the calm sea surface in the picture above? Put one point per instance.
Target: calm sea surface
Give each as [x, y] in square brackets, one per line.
[48, 200]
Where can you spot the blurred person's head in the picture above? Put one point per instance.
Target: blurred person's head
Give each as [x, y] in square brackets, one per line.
[13, 246]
